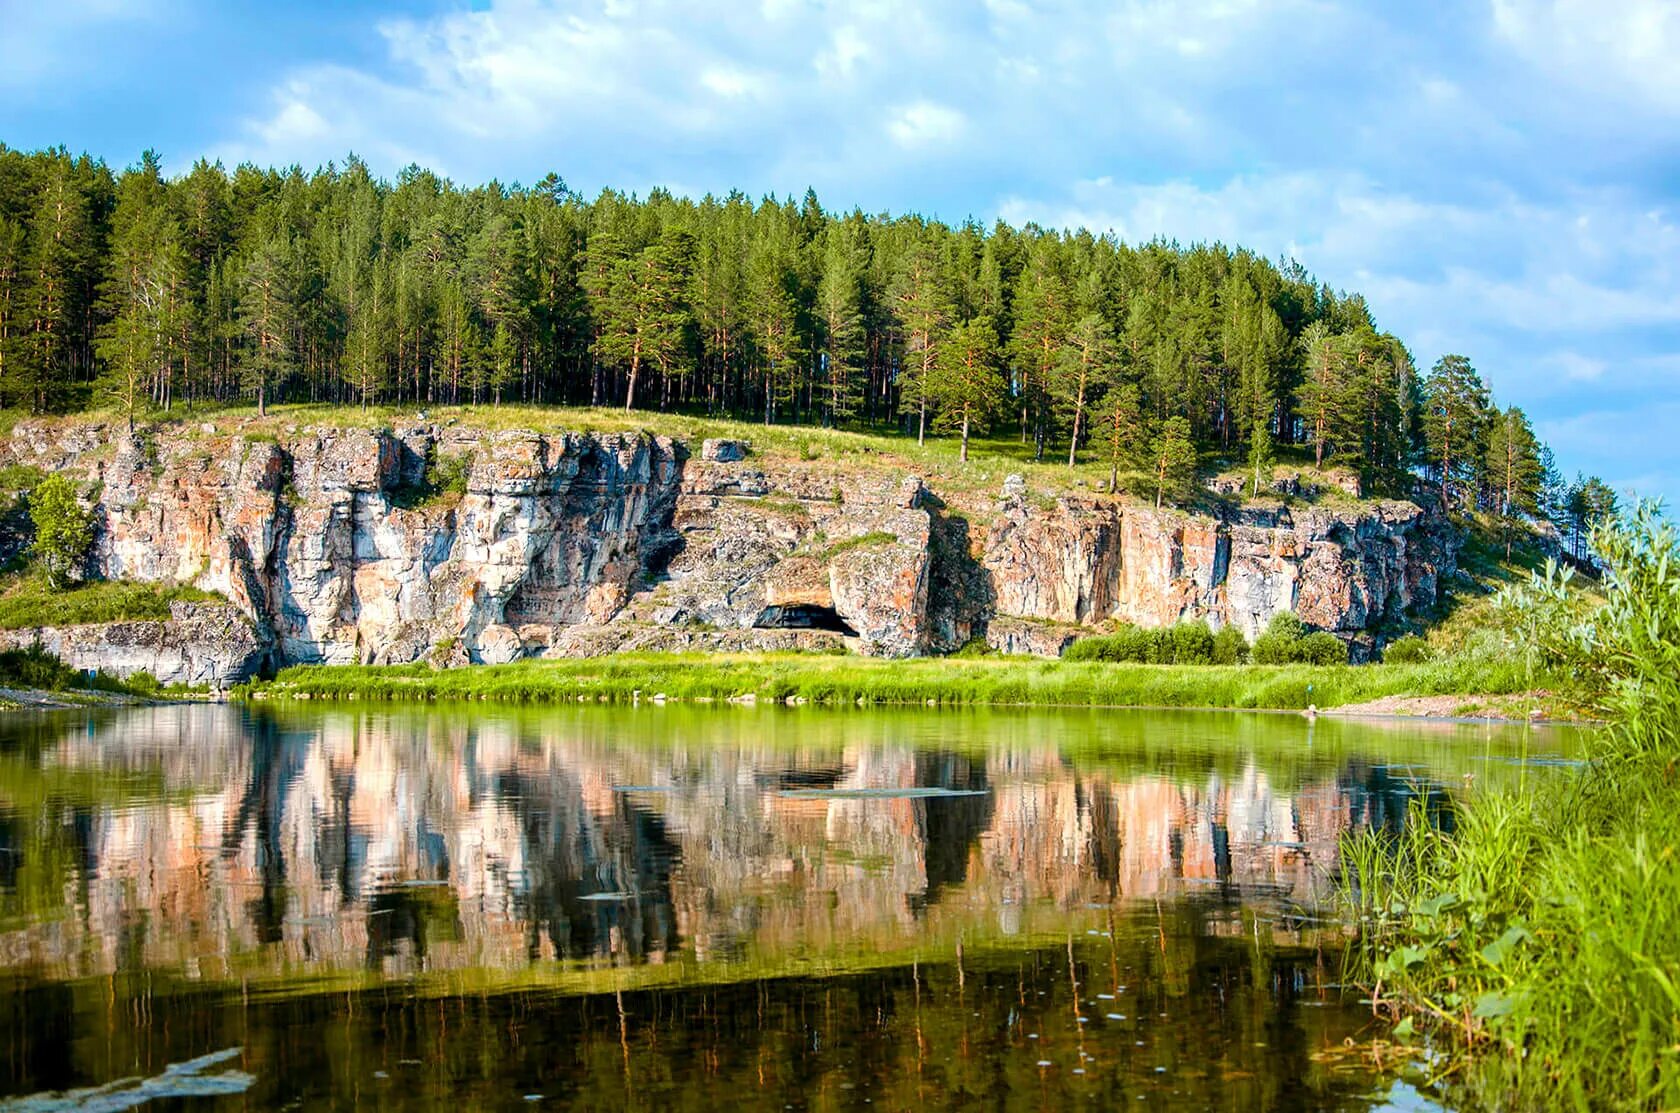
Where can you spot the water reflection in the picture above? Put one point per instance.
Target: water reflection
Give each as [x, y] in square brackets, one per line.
[223, 843]
[692, 907]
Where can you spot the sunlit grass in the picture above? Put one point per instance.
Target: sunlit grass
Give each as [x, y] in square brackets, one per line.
[1002, 681]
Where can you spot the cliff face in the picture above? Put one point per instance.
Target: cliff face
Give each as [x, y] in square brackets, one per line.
[332, 546]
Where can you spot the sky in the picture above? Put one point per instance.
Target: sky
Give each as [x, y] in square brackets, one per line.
[1499, 178]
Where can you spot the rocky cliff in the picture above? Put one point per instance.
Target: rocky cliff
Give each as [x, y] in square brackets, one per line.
[343, 545]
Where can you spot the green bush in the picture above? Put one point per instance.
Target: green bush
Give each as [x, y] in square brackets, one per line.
[63, 531]
[1192, 643]
[36, 668]
[1187, 643]
[1287, 626]
[1270, 649]
[1230, 647]
[1409, 650]
[1321, 648]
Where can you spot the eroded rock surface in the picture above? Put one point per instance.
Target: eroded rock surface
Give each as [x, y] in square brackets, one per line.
[335, 546]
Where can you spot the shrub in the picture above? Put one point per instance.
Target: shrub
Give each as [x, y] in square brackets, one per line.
[1229, 646]
[63, 530]
[1321, 648]
[447, 475]
[1286, 625]
[1192, 643]
[1408, 650]
[36, 668]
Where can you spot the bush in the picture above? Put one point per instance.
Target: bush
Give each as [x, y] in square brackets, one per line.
[1287, 626]
[63, 531]
[1321, 648]
[1192, 643]
[1229, 647]
[1187, 643]
[1409, 650]
[1270, 649]
[36, 668]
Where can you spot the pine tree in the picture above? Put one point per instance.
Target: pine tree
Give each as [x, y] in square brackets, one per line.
[1454, 419]
[1043, 307]
[1321, 395]
[60, 242]
[1123, 427]
[266, 308]
[1173, 460]
[924, 309]
[968, 388]
[1086, 362]
[840, 311]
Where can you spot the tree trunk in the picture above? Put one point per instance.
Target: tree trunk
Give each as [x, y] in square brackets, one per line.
[962, 454]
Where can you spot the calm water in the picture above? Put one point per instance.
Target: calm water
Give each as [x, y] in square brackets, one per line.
[668, 907]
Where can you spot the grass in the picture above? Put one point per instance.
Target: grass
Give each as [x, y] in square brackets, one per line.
[992, 457]
[972, 681]
[1536, 939]
[27, 601]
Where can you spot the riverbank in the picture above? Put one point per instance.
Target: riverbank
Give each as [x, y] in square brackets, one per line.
[1536, 942]
[961, 681]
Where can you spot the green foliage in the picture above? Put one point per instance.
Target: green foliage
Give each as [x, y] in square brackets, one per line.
[1230, 647]
[1286, 641]
[271, 285]
[28, 602]
[1321, 648]
[1409, 650]
[1538, 938]
[34, 667]
[63, 531]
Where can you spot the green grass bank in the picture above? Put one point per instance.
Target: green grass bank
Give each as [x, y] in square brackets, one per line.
[1535, 946]
[961, 681]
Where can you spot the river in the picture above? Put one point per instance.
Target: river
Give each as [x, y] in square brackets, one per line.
[207, 907]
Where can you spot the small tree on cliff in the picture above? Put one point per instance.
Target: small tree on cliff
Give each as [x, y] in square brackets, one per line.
[63, 530]
[1173, 460]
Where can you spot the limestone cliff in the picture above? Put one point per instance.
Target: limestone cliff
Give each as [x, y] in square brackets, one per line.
[337, 545]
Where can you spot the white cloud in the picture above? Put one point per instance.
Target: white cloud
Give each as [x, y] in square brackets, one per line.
[1487, 176]
[924, 124]
[1623, 45]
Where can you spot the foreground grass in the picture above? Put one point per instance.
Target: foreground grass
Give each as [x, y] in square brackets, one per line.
[1006, 681]
[1538, 943]
[27, 601]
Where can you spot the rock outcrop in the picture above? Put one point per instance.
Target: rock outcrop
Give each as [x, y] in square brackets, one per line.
[201, 644]
[454, 544]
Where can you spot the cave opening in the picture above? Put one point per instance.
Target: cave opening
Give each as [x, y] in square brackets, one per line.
[803, 616]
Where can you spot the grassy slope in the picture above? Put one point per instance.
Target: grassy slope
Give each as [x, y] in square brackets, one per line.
[27, 601]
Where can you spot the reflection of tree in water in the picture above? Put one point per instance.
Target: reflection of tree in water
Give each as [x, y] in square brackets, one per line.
[276, 760]
[950, 824]
[595, 883]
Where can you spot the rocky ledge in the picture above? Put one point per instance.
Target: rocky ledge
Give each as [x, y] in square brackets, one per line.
[340, 545]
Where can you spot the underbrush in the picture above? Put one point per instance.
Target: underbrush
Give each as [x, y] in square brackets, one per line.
[1537, 943]
[35, 668]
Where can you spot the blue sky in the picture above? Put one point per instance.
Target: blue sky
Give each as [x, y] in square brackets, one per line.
[1498, 177]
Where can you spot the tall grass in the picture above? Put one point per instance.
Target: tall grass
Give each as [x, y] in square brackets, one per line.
[853, 680]
[1537, 938]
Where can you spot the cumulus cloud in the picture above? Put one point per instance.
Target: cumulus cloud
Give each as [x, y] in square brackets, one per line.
[1487, 173]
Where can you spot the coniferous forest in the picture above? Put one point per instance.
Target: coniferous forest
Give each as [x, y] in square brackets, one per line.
[137, 294]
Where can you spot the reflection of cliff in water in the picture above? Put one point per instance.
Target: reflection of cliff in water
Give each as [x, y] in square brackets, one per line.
[221, 843]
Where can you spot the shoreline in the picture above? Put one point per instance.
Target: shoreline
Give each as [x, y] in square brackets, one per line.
[1455, 689]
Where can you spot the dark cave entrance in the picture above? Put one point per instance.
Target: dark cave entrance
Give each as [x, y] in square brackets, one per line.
[803, 616]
